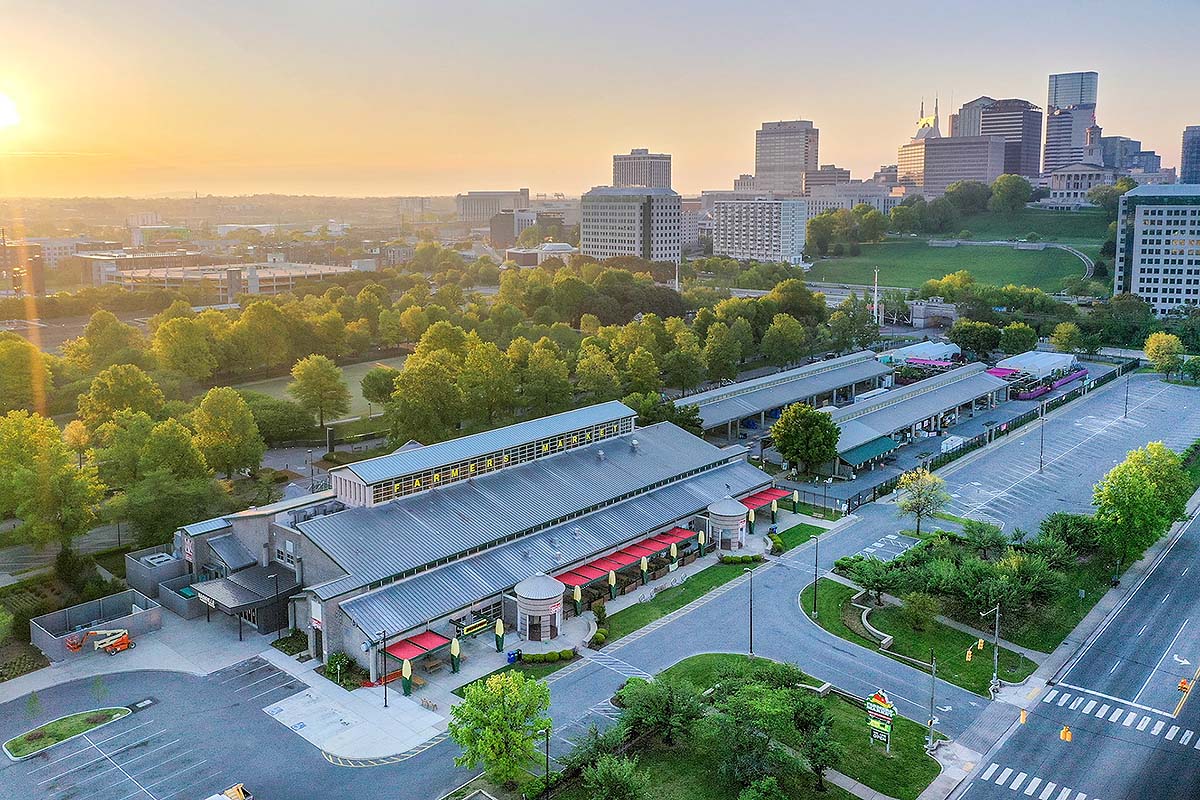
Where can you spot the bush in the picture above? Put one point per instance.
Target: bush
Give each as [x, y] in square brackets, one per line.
[96, 719]
[33, 736]
[535, 787]
[765, 788]
[919, 610]
[566, 655]
[338, 661]
[599, 639]
[551, 657]
[1080, 531]
[594, 744]
[601, 613]
[602, 631]
[776, 544]
[73, 568]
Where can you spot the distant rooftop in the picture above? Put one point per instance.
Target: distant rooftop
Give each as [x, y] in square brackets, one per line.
[631, 191]
[1167, 189]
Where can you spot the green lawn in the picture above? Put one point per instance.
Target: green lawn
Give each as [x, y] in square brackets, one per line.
[1066, 227]
[536, 671]
[949, 644]
[1049, 625]
[353, 374]
[911, 262]
[60, 730]
[639, 615]
[798, 535]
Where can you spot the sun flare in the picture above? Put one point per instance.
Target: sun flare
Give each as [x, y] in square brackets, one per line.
[8, 112]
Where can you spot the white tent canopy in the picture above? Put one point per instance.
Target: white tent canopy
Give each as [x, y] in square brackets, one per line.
[1040, 364]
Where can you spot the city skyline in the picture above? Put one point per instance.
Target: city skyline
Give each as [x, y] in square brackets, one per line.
[282, 105]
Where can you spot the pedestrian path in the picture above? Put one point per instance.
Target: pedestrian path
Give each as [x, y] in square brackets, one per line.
[1126, 716]
[1024, 784]
[618, 666]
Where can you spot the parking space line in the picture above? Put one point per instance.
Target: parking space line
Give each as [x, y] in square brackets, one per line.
[91, 776]
[55, 761]
[155, 750]
[255, 683]
[185, 786]
[177, 773]
[118, 766]
[244, 674]
[127, 730]
[273, 688]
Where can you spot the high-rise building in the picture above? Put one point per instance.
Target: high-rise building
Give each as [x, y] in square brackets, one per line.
[690, 210]
[631, 221]
[1070, 111]
[761, 229]
[1189, 160]
[1158, 246]
[966, 121]
[849, 195]
[885, 175]
[1020, 123]
[827, 175]
[930, 162]
[782, 152]
[476, 207]
[642, 168]
[743, 183]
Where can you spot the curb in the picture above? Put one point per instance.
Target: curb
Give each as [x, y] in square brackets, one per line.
[126, 709]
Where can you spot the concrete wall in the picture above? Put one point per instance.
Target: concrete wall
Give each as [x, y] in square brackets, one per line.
[49, 632]
[171, 599]
[145, 578]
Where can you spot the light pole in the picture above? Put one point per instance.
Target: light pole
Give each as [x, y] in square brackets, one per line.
[310, 470]
[932, 696]
[995, 650]
[383, 664]
[816, 560]
[1127, 375]
[1042, 445]
[546, 782]
[275, 576]
[747, 569]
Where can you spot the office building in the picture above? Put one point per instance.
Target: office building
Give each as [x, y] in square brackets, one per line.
[1070, 185]
[886, 175]
[1020, 123]
[743, 183]
[968, 119]
[642, 168]
[782, 152]
[1189, 160]
[56, 250]
[827, 175]
[849, 195]
[761, 229]
[930, 162]
[22, 270]
[479, 207]
[1070, 111]
[1158, 246]
[690, 211]
[633, 221]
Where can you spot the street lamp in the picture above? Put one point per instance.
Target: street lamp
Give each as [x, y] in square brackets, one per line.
[1127, 376]
[1042, 445]
[995, 650]
[275, 576]
[546, 782]
[747, 569]
[310, 470]
[383, 664]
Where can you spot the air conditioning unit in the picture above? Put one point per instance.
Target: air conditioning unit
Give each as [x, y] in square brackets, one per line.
[157, 559]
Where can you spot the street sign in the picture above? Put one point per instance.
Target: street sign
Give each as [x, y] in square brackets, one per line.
[880, 711]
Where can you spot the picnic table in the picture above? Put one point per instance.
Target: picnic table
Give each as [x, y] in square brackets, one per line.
[433, 665]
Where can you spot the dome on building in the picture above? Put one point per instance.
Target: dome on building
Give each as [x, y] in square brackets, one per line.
[727, 507]
[540, 587]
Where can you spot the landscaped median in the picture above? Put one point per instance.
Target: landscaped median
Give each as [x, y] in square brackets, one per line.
[840, 617]
[60, 730]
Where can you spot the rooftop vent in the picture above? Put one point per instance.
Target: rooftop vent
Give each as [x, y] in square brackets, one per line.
[578, 533]
[599, 455]
[633, 444]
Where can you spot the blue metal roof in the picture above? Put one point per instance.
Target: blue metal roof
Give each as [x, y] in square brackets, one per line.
[206, 526]
[746, 398]
[382, 541]
[405, 462]
[427, 596]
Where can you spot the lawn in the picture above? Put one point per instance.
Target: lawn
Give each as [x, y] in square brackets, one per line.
[1050, 625]
[1066, 227]
[949, 644]
[911, 262]
[535, 671]
[639, 615]
[60, 730]
[700, 671]
[798, 535]
[353, 374]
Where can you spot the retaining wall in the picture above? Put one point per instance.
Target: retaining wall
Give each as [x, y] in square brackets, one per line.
[130, 610]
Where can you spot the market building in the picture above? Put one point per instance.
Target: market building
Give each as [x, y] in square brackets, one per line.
[409, 550]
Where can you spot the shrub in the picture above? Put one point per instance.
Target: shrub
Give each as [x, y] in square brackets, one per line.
[776, 544]
[765, 788]
[599, 639]
[535, 788]
[73, 568]
[96, 719]
[566, 655]
[919, 609]
[338, 661]
[33, 736]
[602, 631]
[601, 613]
[594, 744]
[551, 657]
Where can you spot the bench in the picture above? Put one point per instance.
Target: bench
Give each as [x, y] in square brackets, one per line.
[433, 665]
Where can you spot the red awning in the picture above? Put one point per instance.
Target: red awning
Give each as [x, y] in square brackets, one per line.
[417, 646]
[429, 640]
[405, 649]
[659, 543]
[590, 572]
[573, 579]
[678, 535]
[610, 562]
[600, 567]
[640, 549]
[763, 498]
[776, 494]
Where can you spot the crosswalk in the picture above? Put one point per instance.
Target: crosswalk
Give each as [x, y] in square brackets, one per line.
[618, 666]
[1123, 715]
[1028, 785]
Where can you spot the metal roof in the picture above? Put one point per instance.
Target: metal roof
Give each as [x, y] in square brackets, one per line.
[206, 526]
[1038, 363]
[231, 552]
[249, 587]
[727, 403]
[382, 541]
[857, 456]
[407, 461]
[892, 411]
[427, 596]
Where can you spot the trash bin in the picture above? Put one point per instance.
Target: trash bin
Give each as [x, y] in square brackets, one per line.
[512, 656]
[774, 530]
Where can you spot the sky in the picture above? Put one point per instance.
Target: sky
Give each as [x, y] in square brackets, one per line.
[403, 98]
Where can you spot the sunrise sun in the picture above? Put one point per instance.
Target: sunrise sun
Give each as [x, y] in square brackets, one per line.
[8, 112]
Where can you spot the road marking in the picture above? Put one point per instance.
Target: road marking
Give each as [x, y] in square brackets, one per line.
[1003, 776]
[1187, 737]
[1016, 784]
[1185, 572]
[1129, 718]
[1062, 701]
[1157, 729]
[1049, 790]
[1106, 697]
[1170, 647]
[1090, 705]
[1143, 630]
[255, 683]
[1142, 725]
[1064, 793]
[273, 688]
[1114, 666]
[1081, 796]
[1171, 733]
[1076, 702]
[1050, 695]
[177, 773]
[1032, 787]
[244, 674]
[1116, 715]
[987, 773]
[1103, 710]
[118, 766]
[205, 779]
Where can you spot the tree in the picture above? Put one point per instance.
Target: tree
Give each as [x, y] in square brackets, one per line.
[753, 723]
[1017, 337]
[279, 420]
[979, 338]
[378, 384]
[428, 403]
[919, 610]
[873, 575]
[77, 437]
[259, 339]
[546, 382]
[984, 538]
[763, 789]
[1164, 351]
[318, 386]
[615, 778]
[1191, 368]
[1010, 193]
[969, 197]
[783, 343]
[170, 447]
[642, 373]
[819, 232]
[123, 386]
[922, 494]
[226, 433]
[721, 353]
[1066, 337]
[105, 341]
[24, 379]
[160, 503]
[487, 382]
[1138, 499]
[497, 724]
[652, 409]
[806, 437]
[596, 376]
[119, 445]
[664, 707]
[821, 750]
[182, 345]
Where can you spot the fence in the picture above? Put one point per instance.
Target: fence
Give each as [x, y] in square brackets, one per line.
[170, 598]
[128, 610]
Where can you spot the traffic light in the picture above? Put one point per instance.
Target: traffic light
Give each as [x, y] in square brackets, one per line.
[1065, 733]
[1184, 686]
[969, 652]
[1024, 716]
[979, 645]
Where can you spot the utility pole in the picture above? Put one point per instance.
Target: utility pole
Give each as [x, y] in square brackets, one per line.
[932, 698]
[878, 315]
[995, 650]
[1126, 394]
[816, 560]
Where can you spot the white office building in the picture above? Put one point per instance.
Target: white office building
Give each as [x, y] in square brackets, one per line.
[633, 221]
[642, 168]
[1158, 246]
[477, 207]
[848, 195]
[783, 151]
[761, 229]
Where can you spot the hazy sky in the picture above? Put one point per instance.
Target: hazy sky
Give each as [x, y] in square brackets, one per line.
[402, 97]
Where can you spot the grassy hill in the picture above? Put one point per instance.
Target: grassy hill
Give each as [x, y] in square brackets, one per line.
[1068, 227]
[911, 262]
